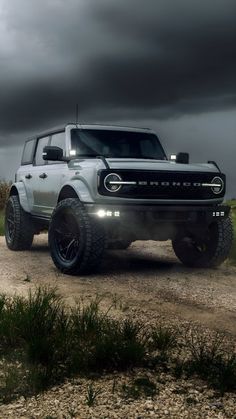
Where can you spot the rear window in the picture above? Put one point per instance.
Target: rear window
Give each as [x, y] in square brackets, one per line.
[28, 153]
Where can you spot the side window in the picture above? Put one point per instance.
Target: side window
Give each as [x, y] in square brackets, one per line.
[28, 153]
[58, 140]
[42, 142]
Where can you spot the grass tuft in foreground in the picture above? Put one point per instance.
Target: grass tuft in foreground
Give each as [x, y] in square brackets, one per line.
[42, 342]
[210, 361]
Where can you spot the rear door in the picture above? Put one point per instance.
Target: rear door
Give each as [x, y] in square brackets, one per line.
[39, 181]
[25, 172]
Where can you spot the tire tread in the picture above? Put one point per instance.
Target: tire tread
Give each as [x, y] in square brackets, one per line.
[94, 239]
[221, 252]
[23, 228]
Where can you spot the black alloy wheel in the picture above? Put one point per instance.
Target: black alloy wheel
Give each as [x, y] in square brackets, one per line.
[76, 241]
[19, 229]
[208, 251]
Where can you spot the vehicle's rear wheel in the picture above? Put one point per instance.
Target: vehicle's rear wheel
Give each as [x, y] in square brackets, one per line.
[76, 240]
[19, 231]
[119, 244]
[208, 251]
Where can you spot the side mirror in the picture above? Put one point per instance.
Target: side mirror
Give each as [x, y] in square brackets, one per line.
[52, 153]
[182, 158]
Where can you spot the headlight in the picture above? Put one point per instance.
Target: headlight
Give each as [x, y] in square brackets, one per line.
[113, 182]
[217, 185]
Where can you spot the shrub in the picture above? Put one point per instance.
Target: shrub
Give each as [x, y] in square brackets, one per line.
[211, 361]
[4, 193]
[233, 250]
[163, 339]
[42, 342]
[102, 343]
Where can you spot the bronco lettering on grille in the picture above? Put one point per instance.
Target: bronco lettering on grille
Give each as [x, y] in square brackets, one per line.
[166, 183]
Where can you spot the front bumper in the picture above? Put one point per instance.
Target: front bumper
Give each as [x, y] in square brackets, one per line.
[159, 213]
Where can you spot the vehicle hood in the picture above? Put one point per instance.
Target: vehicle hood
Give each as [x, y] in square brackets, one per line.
[149, 164]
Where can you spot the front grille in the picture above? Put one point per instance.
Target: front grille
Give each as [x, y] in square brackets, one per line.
[162, 185]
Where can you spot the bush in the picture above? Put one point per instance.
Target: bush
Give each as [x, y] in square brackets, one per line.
[42, 342]
[163, 339]
[52, 342]
[212, 362]
[233, 250]
[4, 193]
[102, 343]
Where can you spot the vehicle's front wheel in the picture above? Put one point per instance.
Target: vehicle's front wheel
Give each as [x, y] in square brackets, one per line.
[19, 231]
[208, 251]
[76, 240]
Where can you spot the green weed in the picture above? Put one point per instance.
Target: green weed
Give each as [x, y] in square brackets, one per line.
[91, 395]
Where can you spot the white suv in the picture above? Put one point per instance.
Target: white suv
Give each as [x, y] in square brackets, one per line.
[106, 186]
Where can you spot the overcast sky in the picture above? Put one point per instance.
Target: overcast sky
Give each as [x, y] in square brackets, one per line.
[166, 64]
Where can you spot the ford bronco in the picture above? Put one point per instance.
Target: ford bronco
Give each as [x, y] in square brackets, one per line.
[96, 187]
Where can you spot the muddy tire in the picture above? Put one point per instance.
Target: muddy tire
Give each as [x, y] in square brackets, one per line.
[209, 251]
[76, 241]
[19, 231]
[119, 244]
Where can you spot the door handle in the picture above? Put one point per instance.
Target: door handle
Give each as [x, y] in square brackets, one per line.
[43, 176]
[29, 176]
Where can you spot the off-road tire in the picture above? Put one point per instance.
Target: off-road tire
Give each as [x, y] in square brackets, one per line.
[214, 249]
[118, 244]
[88, 236]
[19, 231]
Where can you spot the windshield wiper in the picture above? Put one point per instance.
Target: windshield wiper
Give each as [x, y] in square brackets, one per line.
[94, 156]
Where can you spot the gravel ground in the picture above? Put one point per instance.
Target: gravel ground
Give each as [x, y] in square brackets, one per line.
[145, 282]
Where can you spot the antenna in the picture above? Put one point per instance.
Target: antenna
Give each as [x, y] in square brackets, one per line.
[77, 114]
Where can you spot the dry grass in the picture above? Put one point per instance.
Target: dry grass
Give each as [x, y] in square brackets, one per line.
[4, 192]
[43, 341]
[233, 251]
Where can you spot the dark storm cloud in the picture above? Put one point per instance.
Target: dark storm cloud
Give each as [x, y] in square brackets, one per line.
[154, 59]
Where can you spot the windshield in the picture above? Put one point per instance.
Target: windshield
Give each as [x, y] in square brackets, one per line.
[119, 144]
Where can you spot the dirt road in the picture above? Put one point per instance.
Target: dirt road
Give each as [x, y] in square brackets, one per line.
[146, 280]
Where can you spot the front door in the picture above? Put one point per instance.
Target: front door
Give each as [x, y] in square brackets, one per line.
[47, 176]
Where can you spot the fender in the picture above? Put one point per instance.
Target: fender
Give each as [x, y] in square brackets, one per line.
[80, 188]
[18, 188]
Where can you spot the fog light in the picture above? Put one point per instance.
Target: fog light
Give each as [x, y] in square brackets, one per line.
[101, 213]
[107, 213]
[72, 152]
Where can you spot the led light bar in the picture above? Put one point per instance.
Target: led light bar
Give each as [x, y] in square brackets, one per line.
[107, 213]
[211, 185]
[122, 182]
[218, 214]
